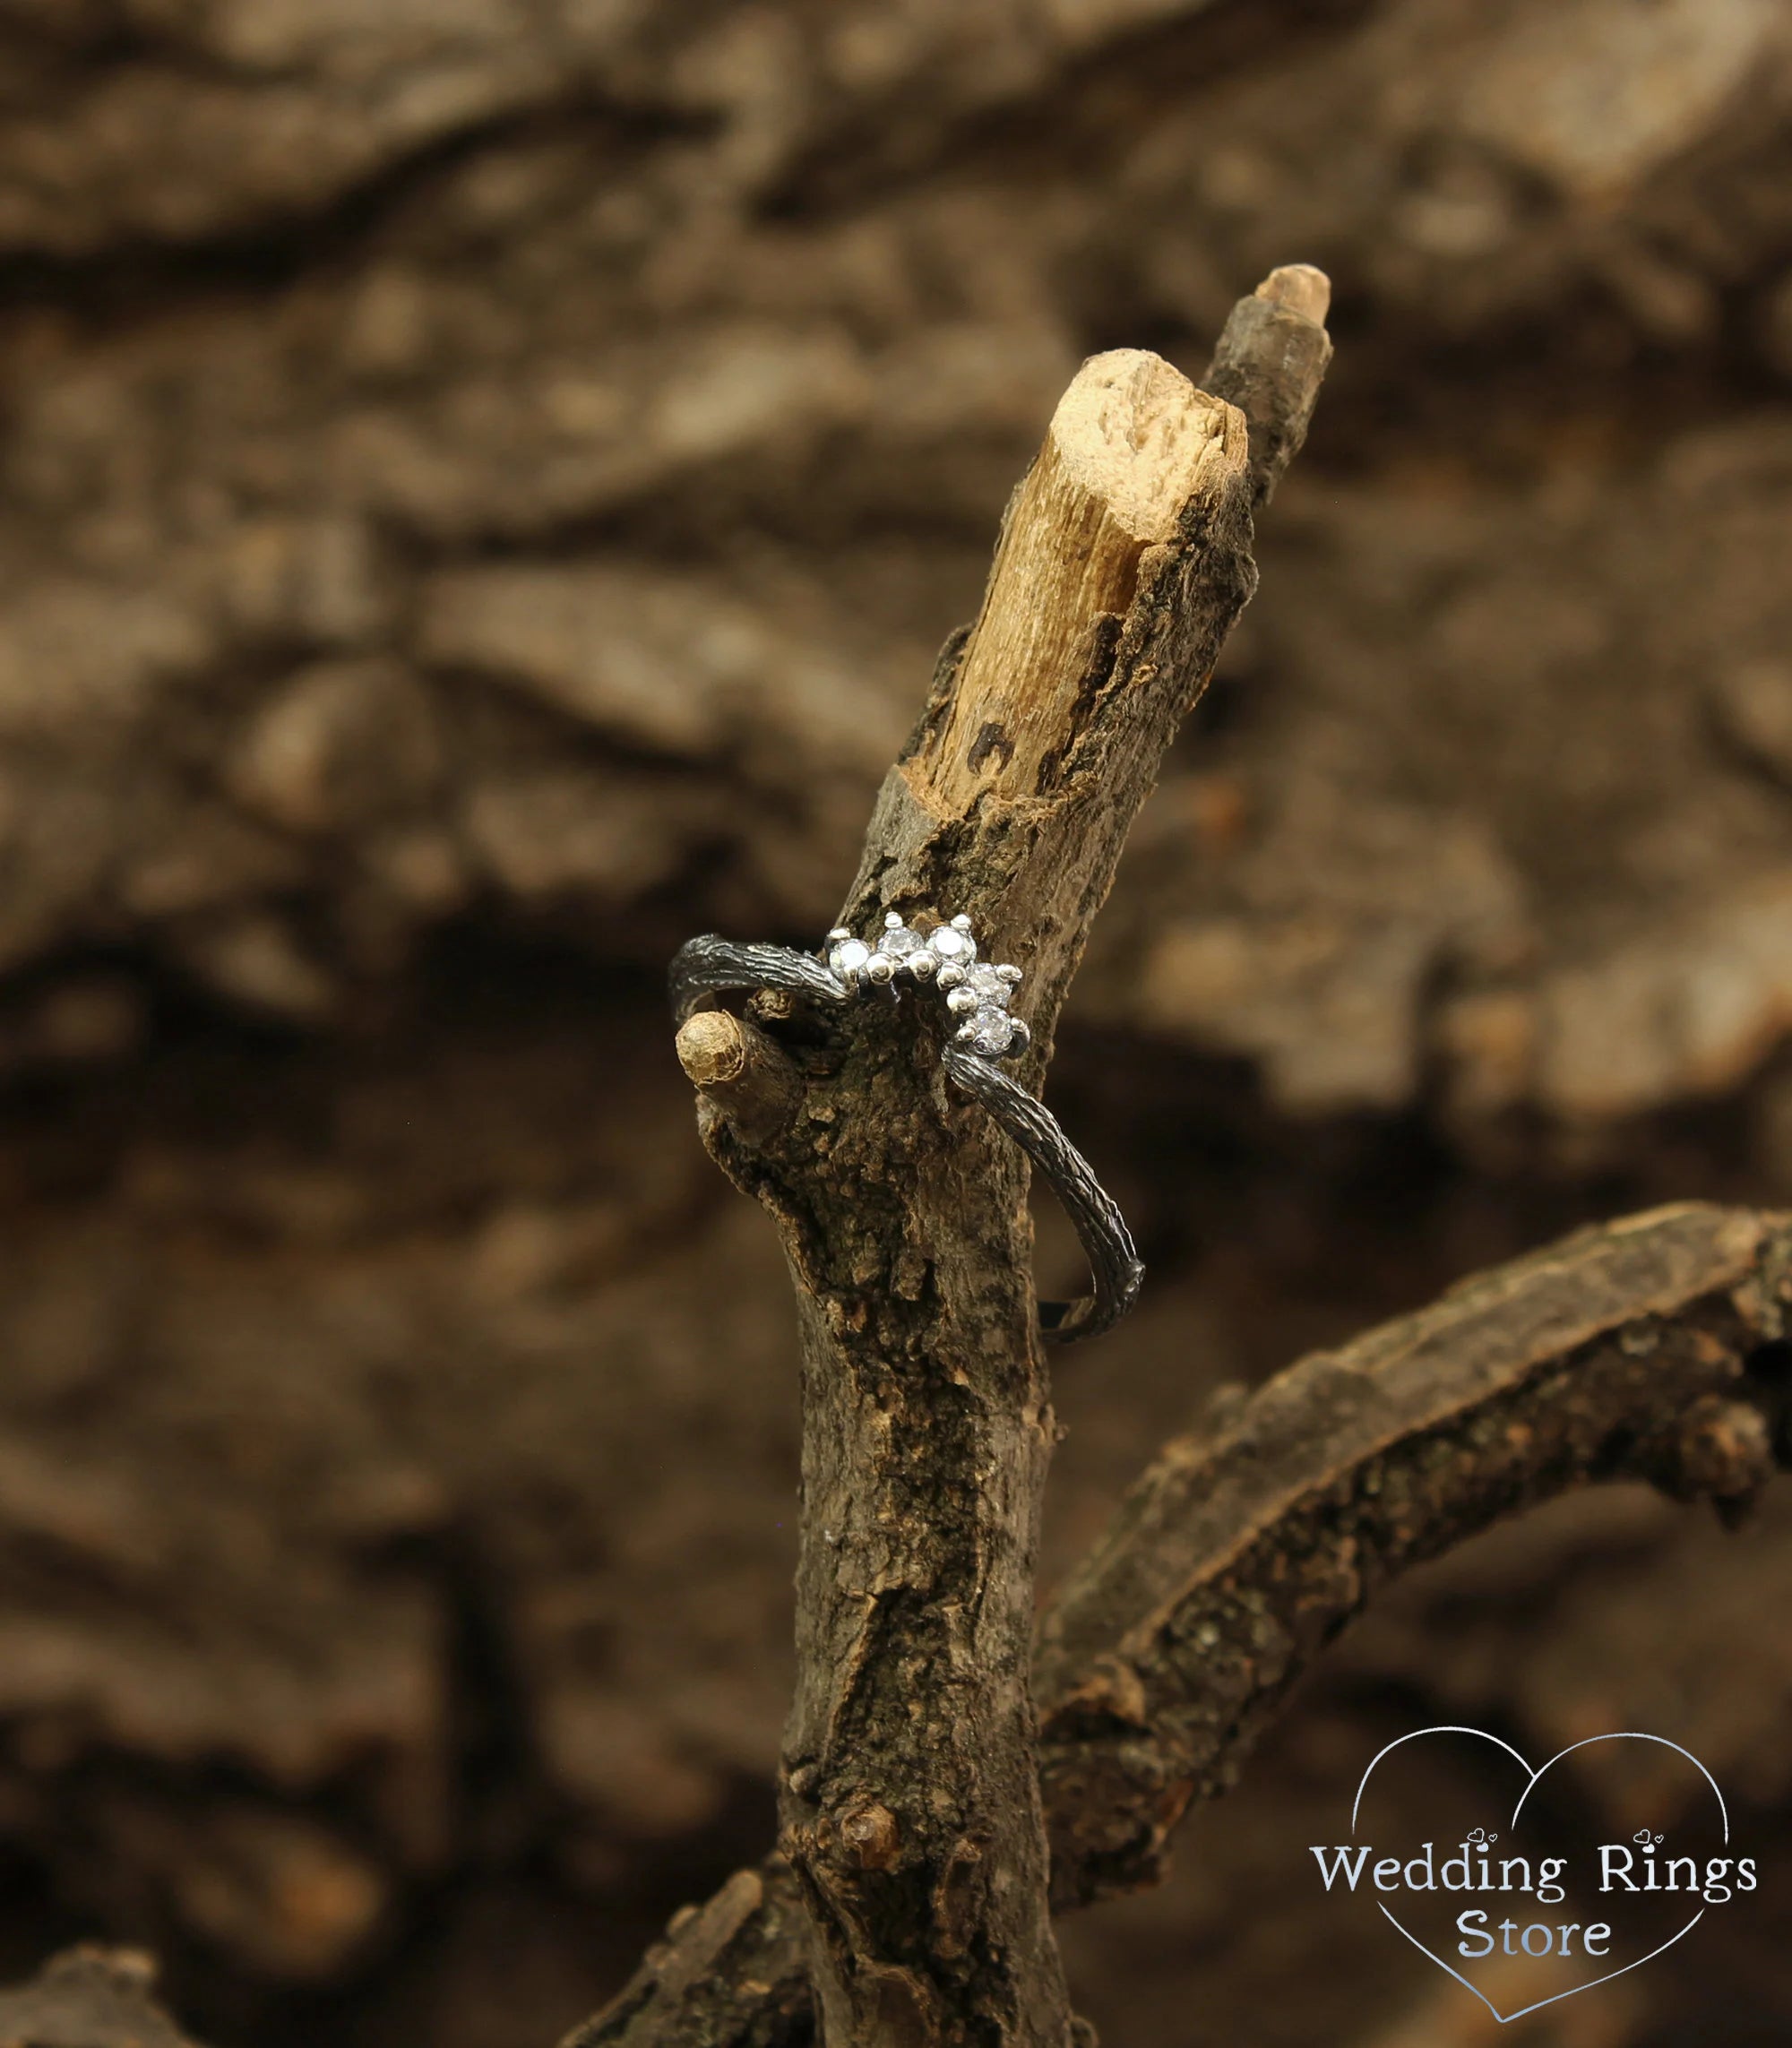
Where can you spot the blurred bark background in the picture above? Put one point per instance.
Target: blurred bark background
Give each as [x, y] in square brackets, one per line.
[484, 481]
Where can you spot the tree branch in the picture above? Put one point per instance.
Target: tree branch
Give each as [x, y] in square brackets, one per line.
[1647, 1348]
[909, 1788]
[739, 1072]
[1620, 1353]
[733, 1973]
[1270, 362]
[909, 1791]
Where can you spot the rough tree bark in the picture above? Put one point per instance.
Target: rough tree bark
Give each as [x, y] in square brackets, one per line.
[1633, 1350]
[1651, 1348]
[910, 1792]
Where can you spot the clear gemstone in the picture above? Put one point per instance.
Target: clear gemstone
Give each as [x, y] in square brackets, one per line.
[988, 983]
[899, 941]
[950, 944]
[990, 1032]
[849, 956]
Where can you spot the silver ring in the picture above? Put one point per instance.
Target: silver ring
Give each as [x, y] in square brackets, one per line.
[944, 956]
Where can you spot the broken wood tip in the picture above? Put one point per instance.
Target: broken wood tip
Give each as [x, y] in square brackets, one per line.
[1132, 436]
[739, 1071]
[712, 1047]
[1301, 288]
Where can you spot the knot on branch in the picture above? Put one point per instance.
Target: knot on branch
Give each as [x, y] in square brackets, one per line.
[1722, 1450]
[870, 1835]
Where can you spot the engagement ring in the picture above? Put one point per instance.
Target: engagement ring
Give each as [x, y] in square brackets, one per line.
[943, 955]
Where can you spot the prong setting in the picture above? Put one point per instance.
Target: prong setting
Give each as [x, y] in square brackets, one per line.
[976, 992]
[848, 957]
[709, 964]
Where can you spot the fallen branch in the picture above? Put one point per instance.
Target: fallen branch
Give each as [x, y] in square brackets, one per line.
[1644, 1349]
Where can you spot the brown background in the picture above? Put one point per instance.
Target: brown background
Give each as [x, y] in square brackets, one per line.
[482, 484]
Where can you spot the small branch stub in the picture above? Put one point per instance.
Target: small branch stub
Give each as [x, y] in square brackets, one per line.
[1301, 288]
[740, 1072]
[1270, 362]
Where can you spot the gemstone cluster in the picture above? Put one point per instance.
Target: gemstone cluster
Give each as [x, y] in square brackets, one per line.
[976, 992]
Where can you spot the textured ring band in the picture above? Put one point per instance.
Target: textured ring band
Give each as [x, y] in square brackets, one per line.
[978, 994]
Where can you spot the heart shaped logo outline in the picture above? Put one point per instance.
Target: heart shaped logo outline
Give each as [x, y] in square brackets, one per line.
[1617, 1735]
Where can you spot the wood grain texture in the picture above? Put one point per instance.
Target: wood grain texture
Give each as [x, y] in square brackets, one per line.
[1132, 446]
[739, 1072]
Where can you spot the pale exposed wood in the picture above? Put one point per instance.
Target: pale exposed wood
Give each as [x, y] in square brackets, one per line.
[741, 1072]
[1132, 443]
[1300, 289]
[712, 1047]
[90, 1997]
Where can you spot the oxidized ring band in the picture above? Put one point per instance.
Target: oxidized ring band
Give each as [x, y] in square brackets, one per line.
[978, 993]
